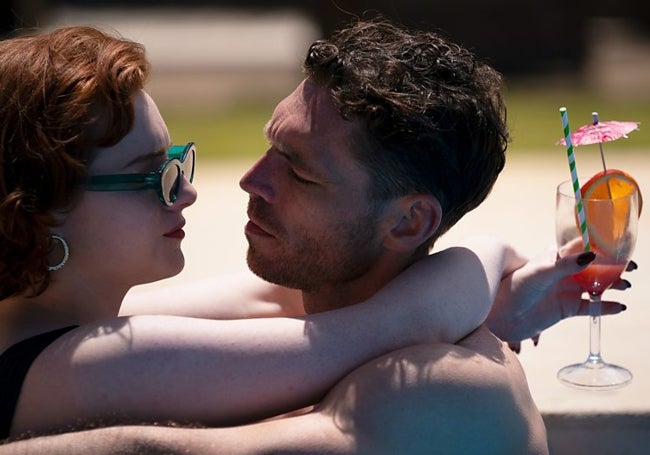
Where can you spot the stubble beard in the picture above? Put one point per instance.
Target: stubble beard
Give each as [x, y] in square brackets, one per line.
[346, 252]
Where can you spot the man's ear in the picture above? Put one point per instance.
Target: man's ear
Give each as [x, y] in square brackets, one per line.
[416, 219]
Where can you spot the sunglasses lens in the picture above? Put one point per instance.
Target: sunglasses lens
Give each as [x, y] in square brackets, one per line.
[170, 182]
[187, 166]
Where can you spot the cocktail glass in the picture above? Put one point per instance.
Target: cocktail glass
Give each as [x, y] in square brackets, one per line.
[612, 228]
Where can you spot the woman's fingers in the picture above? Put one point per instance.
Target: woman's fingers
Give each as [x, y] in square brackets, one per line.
[606, 307]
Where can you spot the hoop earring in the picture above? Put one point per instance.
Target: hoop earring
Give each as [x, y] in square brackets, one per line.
[66, 254]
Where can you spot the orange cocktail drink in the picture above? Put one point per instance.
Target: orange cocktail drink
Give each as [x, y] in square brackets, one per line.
[611, 202]
[598, 277]
[608, 206]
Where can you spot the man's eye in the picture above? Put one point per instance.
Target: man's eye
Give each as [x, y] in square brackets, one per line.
[299, 179]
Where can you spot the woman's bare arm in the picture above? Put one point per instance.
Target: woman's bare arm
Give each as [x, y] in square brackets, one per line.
[156, 368]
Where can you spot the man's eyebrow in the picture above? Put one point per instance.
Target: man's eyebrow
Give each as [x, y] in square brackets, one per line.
[283, 149]
[295, 159]
[286, 151]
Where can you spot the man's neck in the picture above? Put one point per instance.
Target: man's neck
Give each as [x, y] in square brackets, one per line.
[338, 295]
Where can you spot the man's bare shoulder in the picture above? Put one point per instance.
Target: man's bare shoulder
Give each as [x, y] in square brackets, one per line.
[466, 398]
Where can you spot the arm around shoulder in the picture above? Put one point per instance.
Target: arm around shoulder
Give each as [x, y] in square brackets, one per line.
[235, 296]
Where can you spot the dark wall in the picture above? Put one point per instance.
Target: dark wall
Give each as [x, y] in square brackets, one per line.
[515, 36]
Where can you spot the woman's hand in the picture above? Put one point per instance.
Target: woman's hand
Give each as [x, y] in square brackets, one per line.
[542, 293]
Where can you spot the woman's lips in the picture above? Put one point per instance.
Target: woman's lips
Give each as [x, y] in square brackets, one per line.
[177, 232]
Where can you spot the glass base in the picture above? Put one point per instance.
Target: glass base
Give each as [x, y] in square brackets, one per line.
[594, 376]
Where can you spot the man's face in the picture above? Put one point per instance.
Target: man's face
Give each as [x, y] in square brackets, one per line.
[311, 225]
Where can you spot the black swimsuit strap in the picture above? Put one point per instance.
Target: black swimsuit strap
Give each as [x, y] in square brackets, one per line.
[14, 365]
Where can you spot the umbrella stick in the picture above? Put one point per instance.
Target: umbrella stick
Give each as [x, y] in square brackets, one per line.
[602, 156]
[594, 116]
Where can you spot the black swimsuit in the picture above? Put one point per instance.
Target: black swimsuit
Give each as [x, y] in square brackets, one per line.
[14, 365]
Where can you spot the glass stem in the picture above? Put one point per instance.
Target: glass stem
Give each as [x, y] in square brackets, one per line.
[594, 329]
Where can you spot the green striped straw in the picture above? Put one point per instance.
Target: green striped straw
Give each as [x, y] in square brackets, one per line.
[574, 179]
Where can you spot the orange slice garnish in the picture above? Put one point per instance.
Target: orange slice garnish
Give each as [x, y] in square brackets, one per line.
[611, 184]
[607, 210]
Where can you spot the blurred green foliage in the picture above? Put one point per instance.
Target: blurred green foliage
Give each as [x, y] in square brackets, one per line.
[233, 132]
[536, 125]
[533, 115]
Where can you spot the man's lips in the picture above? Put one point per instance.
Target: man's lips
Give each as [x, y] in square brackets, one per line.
[253, 228]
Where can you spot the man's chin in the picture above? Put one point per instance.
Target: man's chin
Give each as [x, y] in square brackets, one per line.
[260, 268]
[272, 271]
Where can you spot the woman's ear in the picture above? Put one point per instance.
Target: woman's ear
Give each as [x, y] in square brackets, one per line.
[416, 218]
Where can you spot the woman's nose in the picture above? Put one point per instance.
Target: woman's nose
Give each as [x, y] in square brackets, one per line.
[187, 194]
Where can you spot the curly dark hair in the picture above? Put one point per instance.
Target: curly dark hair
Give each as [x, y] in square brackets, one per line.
[61, 94]
[433, 113]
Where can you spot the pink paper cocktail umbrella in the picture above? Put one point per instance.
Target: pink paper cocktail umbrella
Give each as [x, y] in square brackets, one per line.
[598, 132]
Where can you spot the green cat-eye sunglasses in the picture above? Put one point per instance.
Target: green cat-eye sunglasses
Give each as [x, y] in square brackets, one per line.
[166, 181]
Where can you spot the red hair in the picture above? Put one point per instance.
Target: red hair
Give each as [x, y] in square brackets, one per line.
[61, 94]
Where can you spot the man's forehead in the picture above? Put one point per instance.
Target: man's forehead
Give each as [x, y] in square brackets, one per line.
[311, 110]
[307, 123]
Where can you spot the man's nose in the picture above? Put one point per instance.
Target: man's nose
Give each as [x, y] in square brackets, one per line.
[257, 180]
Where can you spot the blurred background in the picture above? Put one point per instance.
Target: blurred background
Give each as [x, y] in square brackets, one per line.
[219, 66]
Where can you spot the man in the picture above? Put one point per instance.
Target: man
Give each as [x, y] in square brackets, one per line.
[391, 138]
